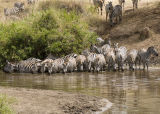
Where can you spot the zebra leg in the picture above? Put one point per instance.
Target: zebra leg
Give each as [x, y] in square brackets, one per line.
[101, 10]
[98, 10]
[106, 16]
[147, 65]
[136, 5]
[144, 65]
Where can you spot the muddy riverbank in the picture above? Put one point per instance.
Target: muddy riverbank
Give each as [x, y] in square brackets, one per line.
[33, 101]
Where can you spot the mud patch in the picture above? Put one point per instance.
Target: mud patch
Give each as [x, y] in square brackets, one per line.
[33, 101]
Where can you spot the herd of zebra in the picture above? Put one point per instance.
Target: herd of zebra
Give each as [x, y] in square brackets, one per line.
[98, 58]
[17, 8]
[114, 12]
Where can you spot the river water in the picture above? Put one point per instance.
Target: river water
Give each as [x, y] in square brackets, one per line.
[130, 92]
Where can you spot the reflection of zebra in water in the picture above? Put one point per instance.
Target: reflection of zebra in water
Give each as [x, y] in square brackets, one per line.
[135, 4]
[31, 65]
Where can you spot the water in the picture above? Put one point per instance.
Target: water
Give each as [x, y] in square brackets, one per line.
[130, 92]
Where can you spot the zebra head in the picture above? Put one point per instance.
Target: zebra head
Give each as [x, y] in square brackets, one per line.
[22, 6]
[152, 50]
[65, 66]
[50, 68]
[44, 67]
[36, 68]
[110, 6]
[9, 67]
[115, 47]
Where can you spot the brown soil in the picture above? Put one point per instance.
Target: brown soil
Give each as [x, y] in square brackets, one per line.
[128, 32]
[31, 101]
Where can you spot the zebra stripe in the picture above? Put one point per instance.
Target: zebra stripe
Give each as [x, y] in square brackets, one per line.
[28, 66]
[11, 11]
[31, 1]
[19, 5]
[135, 4]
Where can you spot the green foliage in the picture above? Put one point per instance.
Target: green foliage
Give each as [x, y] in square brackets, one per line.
[5, 103]
[51, 31]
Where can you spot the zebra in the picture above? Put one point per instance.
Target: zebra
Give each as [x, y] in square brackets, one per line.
[99, 63]
[90, 61]
[19, 5]
[131, 58]
[144, 56]
[115, 13]
[100, 41]
[122, 2]
[99, 4]
[58, 64]
[9, 67]
[81, 62]
[70, 55]
[31, 1]
[121, 55]
[110, 59]
[143, 50]
[11, 11]
[135, 4]
[100, 50]
[44, 65]
[30, 65]
[107, 9]
[69, 65]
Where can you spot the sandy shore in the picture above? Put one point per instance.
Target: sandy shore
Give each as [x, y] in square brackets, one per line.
[32, 101]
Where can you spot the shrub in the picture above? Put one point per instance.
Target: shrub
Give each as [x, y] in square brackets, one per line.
[5, 103]
[51, 31]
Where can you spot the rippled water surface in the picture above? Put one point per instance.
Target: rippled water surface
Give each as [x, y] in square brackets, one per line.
[130, 92]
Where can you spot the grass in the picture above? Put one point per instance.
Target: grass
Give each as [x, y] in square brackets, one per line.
[54, 27]
[5, 104]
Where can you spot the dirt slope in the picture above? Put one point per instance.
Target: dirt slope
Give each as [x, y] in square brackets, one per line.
[127, 33]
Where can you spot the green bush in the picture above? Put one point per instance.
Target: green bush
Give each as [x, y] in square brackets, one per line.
[51, 31]
[5, 103]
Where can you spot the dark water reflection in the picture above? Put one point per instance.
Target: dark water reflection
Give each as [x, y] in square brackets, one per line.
[131, 92]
